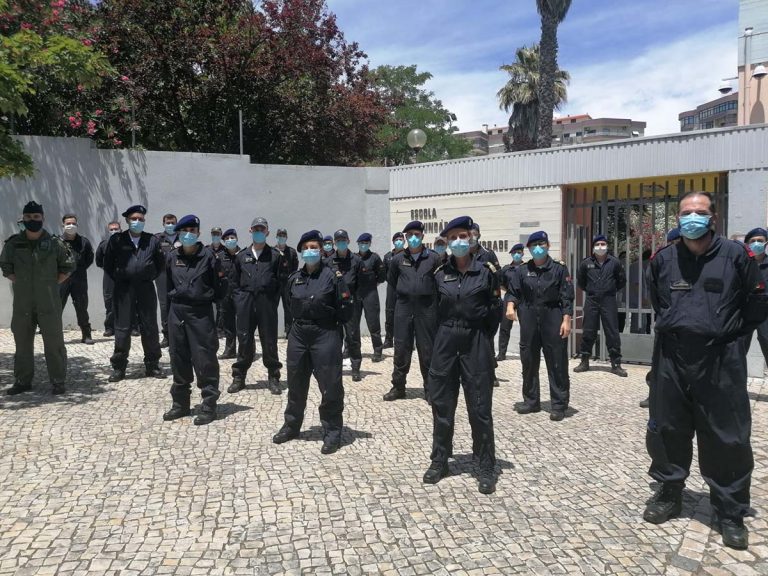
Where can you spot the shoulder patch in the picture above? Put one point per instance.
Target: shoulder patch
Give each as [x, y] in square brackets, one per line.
[339, 274]
[490, 267]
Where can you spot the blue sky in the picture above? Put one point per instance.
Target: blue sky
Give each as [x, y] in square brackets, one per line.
[644, 59]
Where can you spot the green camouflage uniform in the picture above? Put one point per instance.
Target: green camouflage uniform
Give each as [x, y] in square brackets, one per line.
[36, 302]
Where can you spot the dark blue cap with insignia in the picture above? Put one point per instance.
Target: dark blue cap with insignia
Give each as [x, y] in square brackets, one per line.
[364, 237]
[537, 237]
[396, 235]
[463, 222]
[311, 235]
[327, 238]
[475, 226]
[136, 209]
[415, 225]
[751, 234]
[674, 234]
[517, 247]
[340, 234]
[230, 232]
[599, 238]
[188, 221]
[32, 207]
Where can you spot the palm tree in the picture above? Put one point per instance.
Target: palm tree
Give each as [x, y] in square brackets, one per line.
[521, 94]
[552, 13]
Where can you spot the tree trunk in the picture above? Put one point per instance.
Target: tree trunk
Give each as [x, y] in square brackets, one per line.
[547, 71]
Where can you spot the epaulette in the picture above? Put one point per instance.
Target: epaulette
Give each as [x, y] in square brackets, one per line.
[438, 269]
[490, 267]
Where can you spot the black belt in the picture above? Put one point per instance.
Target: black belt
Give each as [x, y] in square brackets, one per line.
[322, 323]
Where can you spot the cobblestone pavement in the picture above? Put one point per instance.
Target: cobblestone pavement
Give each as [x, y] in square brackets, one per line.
[95, 482]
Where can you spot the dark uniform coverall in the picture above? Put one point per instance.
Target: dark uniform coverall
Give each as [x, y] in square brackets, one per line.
[320, 303]
[413, 278]
[194, 285]
[762, 329]
[349, 266]
[134, 270]
[485, 256]
[257, 289]
[389, 303]
[505, 326]
[288, 265]
[370, 275]
[542, 296]
[36, 302]
[217, 250]
[228, 312]
[600, 283]
[168, 244]
[703, 306]
[107, 290]
[467, 307]
[77, 283]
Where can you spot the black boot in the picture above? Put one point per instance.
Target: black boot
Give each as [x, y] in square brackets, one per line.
[617, 369]
[395, 394]
[237, 385]
[164, 342]
[284, 435]
[117, 375]
[356, 377]
[584, 366]
[87, 338]
[665, 504]
[330, 445]
[206, 415]
[735, 534]
[177, 411]
[525, 408]
[228, 354]
[108, 333]
[377, 356]
[645, 403]
[274, 385]
[154, 371]
[436, 472]
[487, 483]
[58, 388]
[501, 356]
[135, 333]
[387, 343]
[18, 388]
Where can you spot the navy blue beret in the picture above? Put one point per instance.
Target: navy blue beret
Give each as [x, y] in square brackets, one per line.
[475, 226]
[340, 233]
[674, 234]
[134, 209]
[516, 247]
[327, 238]
[188, 221]
[364, 237]
[311, 235]
[751, 234]
[537, 237]
[599, 238]
[230, 232]
[397, 235]
[415, 225]
[32, 207]
[463, 222]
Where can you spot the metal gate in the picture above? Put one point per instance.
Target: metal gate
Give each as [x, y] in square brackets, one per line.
[635, 216]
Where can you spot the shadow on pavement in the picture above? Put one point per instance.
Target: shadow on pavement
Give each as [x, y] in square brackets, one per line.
[466, 464]
[758, 397]
[348, 435]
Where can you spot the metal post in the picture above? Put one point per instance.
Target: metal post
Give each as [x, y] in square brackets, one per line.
[133, 127]
[240, 119]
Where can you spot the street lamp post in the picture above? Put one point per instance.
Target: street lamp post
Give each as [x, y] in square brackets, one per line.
[416, 139]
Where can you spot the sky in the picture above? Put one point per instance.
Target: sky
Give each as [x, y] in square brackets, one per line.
[647, 60]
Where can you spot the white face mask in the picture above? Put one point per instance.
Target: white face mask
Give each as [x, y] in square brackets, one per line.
[601, 250]
[70, 229]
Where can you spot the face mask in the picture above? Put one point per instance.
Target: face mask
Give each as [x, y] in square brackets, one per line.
[363, 247]
[399, 244]
[757, 248]
[259, 237]
[282, 240]
[327, 247]
[310, 256]
[170, 229]
[230, 243]
[517, 257]
[414, 241]
[460, 247]
[70, 229]
[694, 226]
[601, 250]
[136, 226]
[440, 249]
[472, 241]
[33, 225]
[539, 252]
[215, 240]
[188, 238]
[342, 245]
[113, 232]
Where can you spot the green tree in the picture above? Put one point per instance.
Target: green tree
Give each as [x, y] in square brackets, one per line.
[552, 13]
[521, 94]
[410, 105]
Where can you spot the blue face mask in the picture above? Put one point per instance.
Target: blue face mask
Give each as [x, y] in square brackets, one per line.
[282, 240]
[170, 229]
[460, 247]
[310, 256]
[414, 241]
[328, 247]
[363, 246]
[230, 243]
[342, 245]
[517, 257]
[136, 226]
[472, 241]
[215, 240]
[757, 248]
[188, 238]
[539, 252]
[259, 237]
[694, 226]
[399, 244]
[440, 249]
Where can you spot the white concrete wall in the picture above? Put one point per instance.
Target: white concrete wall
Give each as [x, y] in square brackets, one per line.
[223, 190]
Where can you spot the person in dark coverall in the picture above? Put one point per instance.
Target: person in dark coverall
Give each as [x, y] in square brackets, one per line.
[321, 304]
[345, 261]
[601, 276]
[36, 263]
[134, 259]
[398, 243]
[194, 284]
[481, 253]
[217, 248]
[370, 275]
[76, 285]
[755, 240]
[505, 326]
[707, 293]
[228, 313]
[541, 296]
[107, 286]
[290, 263]
[412, 273]
[468, 312]
[256, 277]
[169, 241]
